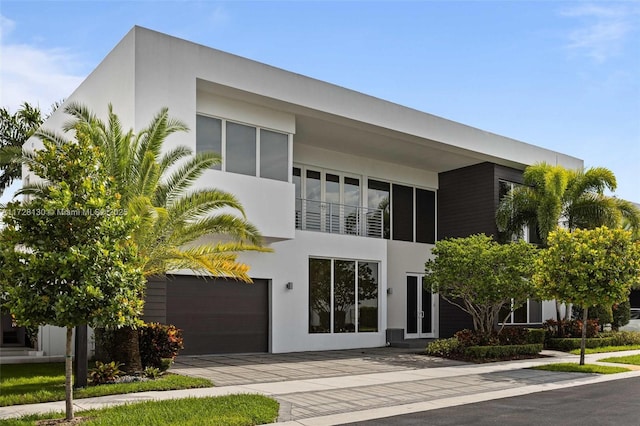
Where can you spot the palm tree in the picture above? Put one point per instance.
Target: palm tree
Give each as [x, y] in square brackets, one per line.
[155, 186]
[15, 129]
[554, 195]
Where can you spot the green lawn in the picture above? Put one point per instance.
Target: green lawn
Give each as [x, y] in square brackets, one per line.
[569, 367]
[605, 349]
[231, 410]
[33, 383]
[631, 359]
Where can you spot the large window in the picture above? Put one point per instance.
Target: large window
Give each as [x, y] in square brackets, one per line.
[244, 149]
[409, 213]
[529, 312]
[379, 197]
[343, 296]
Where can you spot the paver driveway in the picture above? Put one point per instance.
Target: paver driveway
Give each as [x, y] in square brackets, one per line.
[225, 370]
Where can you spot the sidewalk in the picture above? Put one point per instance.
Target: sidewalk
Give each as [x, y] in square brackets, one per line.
[343, 399]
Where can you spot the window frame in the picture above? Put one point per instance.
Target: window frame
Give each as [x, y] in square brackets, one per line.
[356, 296]
[258, 129]
[511, 320]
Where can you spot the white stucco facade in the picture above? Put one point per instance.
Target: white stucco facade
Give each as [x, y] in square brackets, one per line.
[331, 130]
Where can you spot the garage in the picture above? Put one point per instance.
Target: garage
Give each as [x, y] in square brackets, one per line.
[215, 315]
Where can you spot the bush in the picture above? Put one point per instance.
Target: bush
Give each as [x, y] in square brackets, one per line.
[570, 343]
[444, 347]
[468, 338]
[621, 314]
[623, 338]
[502, 351]
[536, 335]
[513, 336]
[152, 373]
[571, 328]
[105, 372]
[158, 341]
[508, 336]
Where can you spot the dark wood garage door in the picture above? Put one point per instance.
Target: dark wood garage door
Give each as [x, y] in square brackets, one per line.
[217, 315]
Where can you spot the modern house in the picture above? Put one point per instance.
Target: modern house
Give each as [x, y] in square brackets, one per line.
[350, 192]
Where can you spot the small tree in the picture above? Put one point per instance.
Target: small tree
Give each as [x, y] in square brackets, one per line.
[588, 268]
[66, 257]
[481, 277]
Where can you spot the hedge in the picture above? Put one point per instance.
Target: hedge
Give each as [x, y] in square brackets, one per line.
[570, 343]
[489, 352]
[536, 335]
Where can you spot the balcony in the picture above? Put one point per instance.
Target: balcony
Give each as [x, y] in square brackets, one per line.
[335, 218]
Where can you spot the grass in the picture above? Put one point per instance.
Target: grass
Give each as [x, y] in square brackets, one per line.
[230, 410]
[605, 349]
[631, 359]
[569, 367]
[33, 383]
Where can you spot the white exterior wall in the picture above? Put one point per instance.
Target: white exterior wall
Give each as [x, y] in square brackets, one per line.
[403, 258]
[52, 341]
[290, 308]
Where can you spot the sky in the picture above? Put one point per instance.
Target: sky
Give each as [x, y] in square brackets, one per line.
[561, 75]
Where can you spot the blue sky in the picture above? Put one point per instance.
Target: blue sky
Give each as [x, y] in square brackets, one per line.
[562, 75]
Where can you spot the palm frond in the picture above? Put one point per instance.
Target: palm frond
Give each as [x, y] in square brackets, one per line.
[182, 178]
[201, 202]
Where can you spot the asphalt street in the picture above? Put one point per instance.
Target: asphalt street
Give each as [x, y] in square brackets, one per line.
[611, 403]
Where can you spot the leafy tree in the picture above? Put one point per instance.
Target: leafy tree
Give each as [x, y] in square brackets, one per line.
[15, 129]
[588, 268]
[481, 277]
[177, 222]
[66, 256]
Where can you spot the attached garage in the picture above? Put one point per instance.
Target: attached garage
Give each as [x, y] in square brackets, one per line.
[216, 315]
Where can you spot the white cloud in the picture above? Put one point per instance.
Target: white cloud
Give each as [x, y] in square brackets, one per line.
[33, 74]
[603, 30]
[6, 27]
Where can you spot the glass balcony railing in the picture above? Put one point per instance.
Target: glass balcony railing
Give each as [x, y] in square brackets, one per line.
[338, 218]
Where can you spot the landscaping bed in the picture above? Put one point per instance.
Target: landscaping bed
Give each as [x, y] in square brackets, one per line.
[511, 344]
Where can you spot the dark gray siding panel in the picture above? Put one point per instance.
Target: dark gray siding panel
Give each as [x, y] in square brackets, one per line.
[218, 315]
[452, 319]
[155, 305]
[466, 201]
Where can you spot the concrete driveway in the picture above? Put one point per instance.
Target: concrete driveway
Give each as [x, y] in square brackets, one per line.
[241, 369]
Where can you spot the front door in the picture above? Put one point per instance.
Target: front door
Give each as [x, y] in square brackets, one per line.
[421, 309]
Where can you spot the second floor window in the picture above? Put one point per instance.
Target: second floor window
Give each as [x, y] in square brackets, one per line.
[244, 149]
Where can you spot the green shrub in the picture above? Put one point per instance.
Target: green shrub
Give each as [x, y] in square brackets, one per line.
[501, 352]
[444, 347]
[621, 314]
[152, 372]
[165, 363]
[603, 314]
[158, 341]
[536, 336]
[105, 372]
[623, 338]
[570, 343]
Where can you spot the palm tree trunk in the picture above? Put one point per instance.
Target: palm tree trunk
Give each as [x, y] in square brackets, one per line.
[68, 376]
[127, 350]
